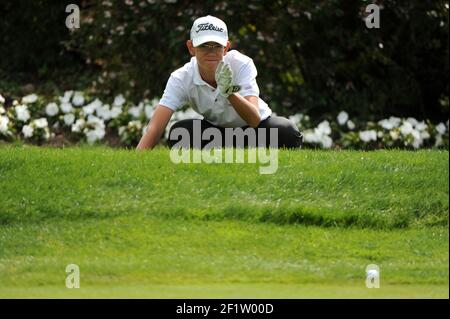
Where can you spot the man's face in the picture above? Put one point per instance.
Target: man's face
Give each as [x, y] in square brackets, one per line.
[208, 54]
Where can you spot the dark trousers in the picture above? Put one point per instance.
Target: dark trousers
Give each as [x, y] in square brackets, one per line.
[288, 135]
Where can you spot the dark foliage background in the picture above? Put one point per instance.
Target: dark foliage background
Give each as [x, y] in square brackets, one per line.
[314, 57]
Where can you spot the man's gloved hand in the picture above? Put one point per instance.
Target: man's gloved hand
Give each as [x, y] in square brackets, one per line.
[224, 80]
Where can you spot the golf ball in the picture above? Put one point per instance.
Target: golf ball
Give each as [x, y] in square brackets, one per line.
[372, 273]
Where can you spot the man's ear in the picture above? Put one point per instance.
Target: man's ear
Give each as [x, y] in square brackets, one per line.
[227, 48]
[190, 47]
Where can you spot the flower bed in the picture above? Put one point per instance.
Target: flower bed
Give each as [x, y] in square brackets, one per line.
[76, 116]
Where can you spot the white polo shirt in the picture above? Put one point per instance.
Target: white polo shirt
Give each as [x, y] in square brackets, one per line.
[186, 87]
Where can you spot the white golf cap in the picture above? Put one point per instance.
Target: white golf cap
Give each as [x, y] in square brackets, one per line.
[209, 29]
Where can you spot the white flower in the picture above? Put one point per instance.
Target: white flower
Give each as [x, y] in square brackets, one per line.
[389, 124]
[417, 142]
[412, 120]
[22, 113]
[154, 102]
[66, 107]
[47, 134]
[440, 128]
[168, 127]
[149, 111]
[367, 136]
[88, 109]
[98, 122]
[66, 97]
[319, 135]
[406, 128]
[323, 128]
[386, 124]
[115, 111]
[4, 120]
[2, 110]
[424, 135]
[416, 135]
[297, 118]
[95, 135]
[395, 121]
[350, 125]
[91, 107]
[342, 117]
[31, 98]
[78, 98]
[135, 124]
[439, 140]
[311, 137]
[326, 141]
[69, 118]
[2, 99]
[136, 111]
[104, 112]
[421, 126]
[51, 109]
[27, 131]
[77, 126]
[394, 135]
[380, 134]
[41, 122]
[119, 100]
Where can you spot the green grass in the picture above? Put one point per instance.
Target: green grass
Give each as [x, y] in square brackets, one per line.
[140, 226]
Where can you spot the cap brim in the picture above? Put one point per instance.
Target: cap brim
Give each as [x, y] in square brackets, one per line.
[209, 38]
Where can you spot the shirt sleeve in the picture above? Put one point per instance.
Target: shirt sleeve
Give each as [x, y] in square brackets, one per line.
[246, 78]
[174, 95]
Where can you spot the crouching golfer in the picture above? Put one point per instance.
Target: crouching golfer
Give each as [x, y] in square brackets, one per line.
[221, 86]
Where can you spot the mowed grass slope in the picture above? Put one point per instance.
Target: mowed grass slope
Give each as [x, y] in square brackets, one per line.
[139, 225]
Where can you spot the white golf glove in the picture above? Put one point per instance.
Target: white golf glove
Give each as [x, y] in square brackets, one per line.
[224, 80]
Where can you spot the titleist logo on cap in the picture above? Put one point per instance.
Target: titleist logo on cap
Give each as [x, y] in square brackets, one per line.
[208, 26]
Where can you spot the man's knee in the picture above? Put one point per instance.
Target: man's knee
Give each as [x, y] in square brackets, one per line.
[288, 134]
[177, 132]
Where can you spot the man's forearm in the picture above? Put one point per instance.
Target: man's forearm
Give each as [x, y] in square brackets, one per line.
[148, 140]
[248, 111]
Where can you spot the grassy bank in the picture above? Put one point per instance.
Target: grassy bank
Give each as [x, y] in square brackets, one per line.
[139, 225]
